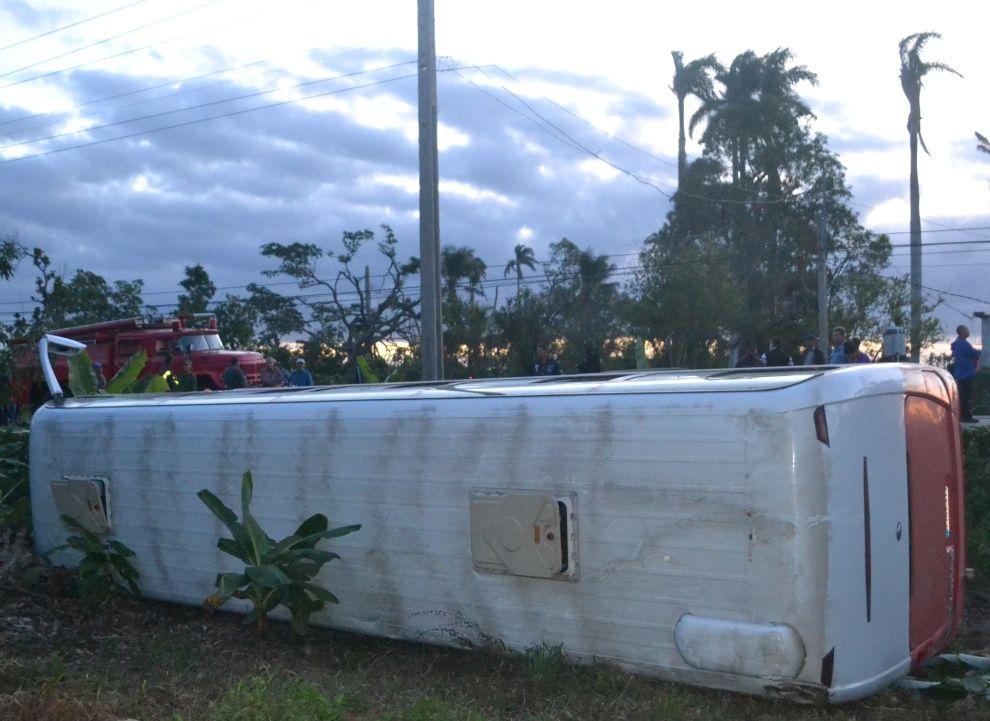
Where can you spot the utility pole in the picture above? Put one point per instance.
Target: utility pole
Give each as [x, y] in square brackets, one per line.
[431, 333]
[823, 339]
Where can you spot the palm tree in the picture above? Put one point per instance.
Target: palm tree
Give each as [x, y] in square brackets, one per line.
[458, 264]
[691, 79]
[913, 70]
[524, 258]
[982, 144]
[757, 107]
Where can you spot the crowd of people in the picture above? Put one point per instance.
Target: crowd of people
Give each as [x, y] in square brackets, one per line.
[844, 350]
[271, 376]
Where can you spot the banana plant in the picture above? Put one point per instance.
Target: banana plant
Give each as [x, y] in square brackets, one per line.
[82, 376]
[106, 566]
[276, 572]
[127, 376]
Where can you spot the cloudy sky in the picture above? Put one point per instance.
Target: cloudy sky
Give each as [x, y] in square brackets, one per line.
[139, 137]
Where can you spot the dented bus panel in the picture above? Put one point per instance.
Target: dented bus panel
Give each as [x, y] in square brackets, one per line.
[788, 532]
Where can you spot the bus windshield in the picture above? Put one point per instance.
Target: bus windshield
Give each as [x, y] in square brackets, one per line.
[199, 343]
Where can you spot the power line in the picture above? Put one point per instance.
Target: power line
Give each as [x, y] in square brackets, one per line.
[138, 49]
[62, 114]
[195, 121]
[204, 105]
[106, 40]
[71, 25]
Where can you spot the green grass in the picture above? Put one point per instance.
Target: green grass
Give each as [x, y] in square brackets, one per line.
[278, 698]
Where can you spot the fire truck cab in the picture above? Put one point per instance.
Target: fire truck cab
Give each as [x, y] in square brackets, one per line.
[112, 344]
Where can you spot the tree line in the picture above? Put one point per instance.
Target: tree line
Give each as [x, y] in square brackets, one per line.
[735, 260]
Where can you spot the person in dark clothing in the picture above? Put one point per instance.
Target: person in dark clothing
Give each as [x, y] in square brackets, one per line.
[750, 359]
[234, 377]
[813, 355]
[852, 353]
[592, 362]
[776, 356]
[187, 381]
[546, 364]
[167, 374]
[964, 362]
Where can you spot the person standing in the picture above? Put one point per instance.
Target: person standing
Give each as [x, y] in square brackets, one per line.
[187, 381]
[964, 360]
[271, 375]
[234, 377]
[838, 346]
[776, 356]
[813, 355]
[300, 376]
[546, 364]
[167, 374]
[852, 354]
[749, 359]
[592, 362]
[101, 380]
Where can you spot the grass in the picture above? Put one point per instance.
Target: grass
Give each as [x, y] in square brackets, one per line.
[278, 698]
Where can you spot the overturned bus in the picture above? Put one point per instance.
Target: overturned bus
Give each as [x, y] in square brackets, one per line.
[792, 532]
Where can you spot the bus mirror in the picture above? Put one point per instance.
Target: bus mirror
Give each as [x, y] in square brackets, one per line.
[59, 346]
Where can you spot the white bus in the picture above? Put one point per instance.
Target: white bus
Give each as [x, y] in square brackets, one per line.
[793, 532]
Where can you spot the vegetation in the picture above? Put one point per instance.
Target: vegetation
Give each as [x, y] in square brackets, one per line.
[105, 567]
[276, 572]
[15, 500]
[976, 449]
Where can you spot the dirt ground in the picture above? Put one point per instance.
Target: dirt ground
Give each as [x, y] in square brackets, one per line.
[64, 659]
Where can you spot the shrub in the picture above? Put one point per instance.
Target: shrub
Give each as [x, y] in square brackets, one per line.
[105, 568]
[15, 500]
[277, 572]
[980, 403]
[976, 460]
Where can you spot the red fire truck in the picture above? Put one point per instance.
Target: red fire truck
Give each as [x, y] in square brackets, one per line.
[112, 343]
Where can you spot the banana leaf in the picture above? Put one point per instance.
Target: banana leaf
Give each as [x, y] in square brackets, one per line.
[156, 384]
[369, 375]
[126, 376]
[82, 378]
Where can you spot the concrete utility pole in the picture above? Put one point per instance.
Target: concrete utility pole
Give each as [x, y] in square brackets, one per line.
[431, 324]
[823, 339]
[984, 335]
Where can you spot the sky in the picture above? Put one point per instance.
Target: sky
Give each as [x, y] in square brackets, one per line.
[138, 137]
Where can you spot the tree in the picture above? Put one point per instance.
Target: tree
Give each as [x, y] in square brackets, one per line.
[581, 301]
[913, 71]
[11, 253]
[85, 298]
[982, 144]
[737, 256]
[756, 112]
[523, 258]
[341, 305]
[466, 325]
[691, 79]
[276, 315]
[236, 318]
[461, 264]
[200, 290]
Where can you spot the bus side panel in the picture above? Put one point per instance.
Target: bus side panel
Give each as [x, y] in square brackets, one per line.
[936, 524]
[667, 521]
